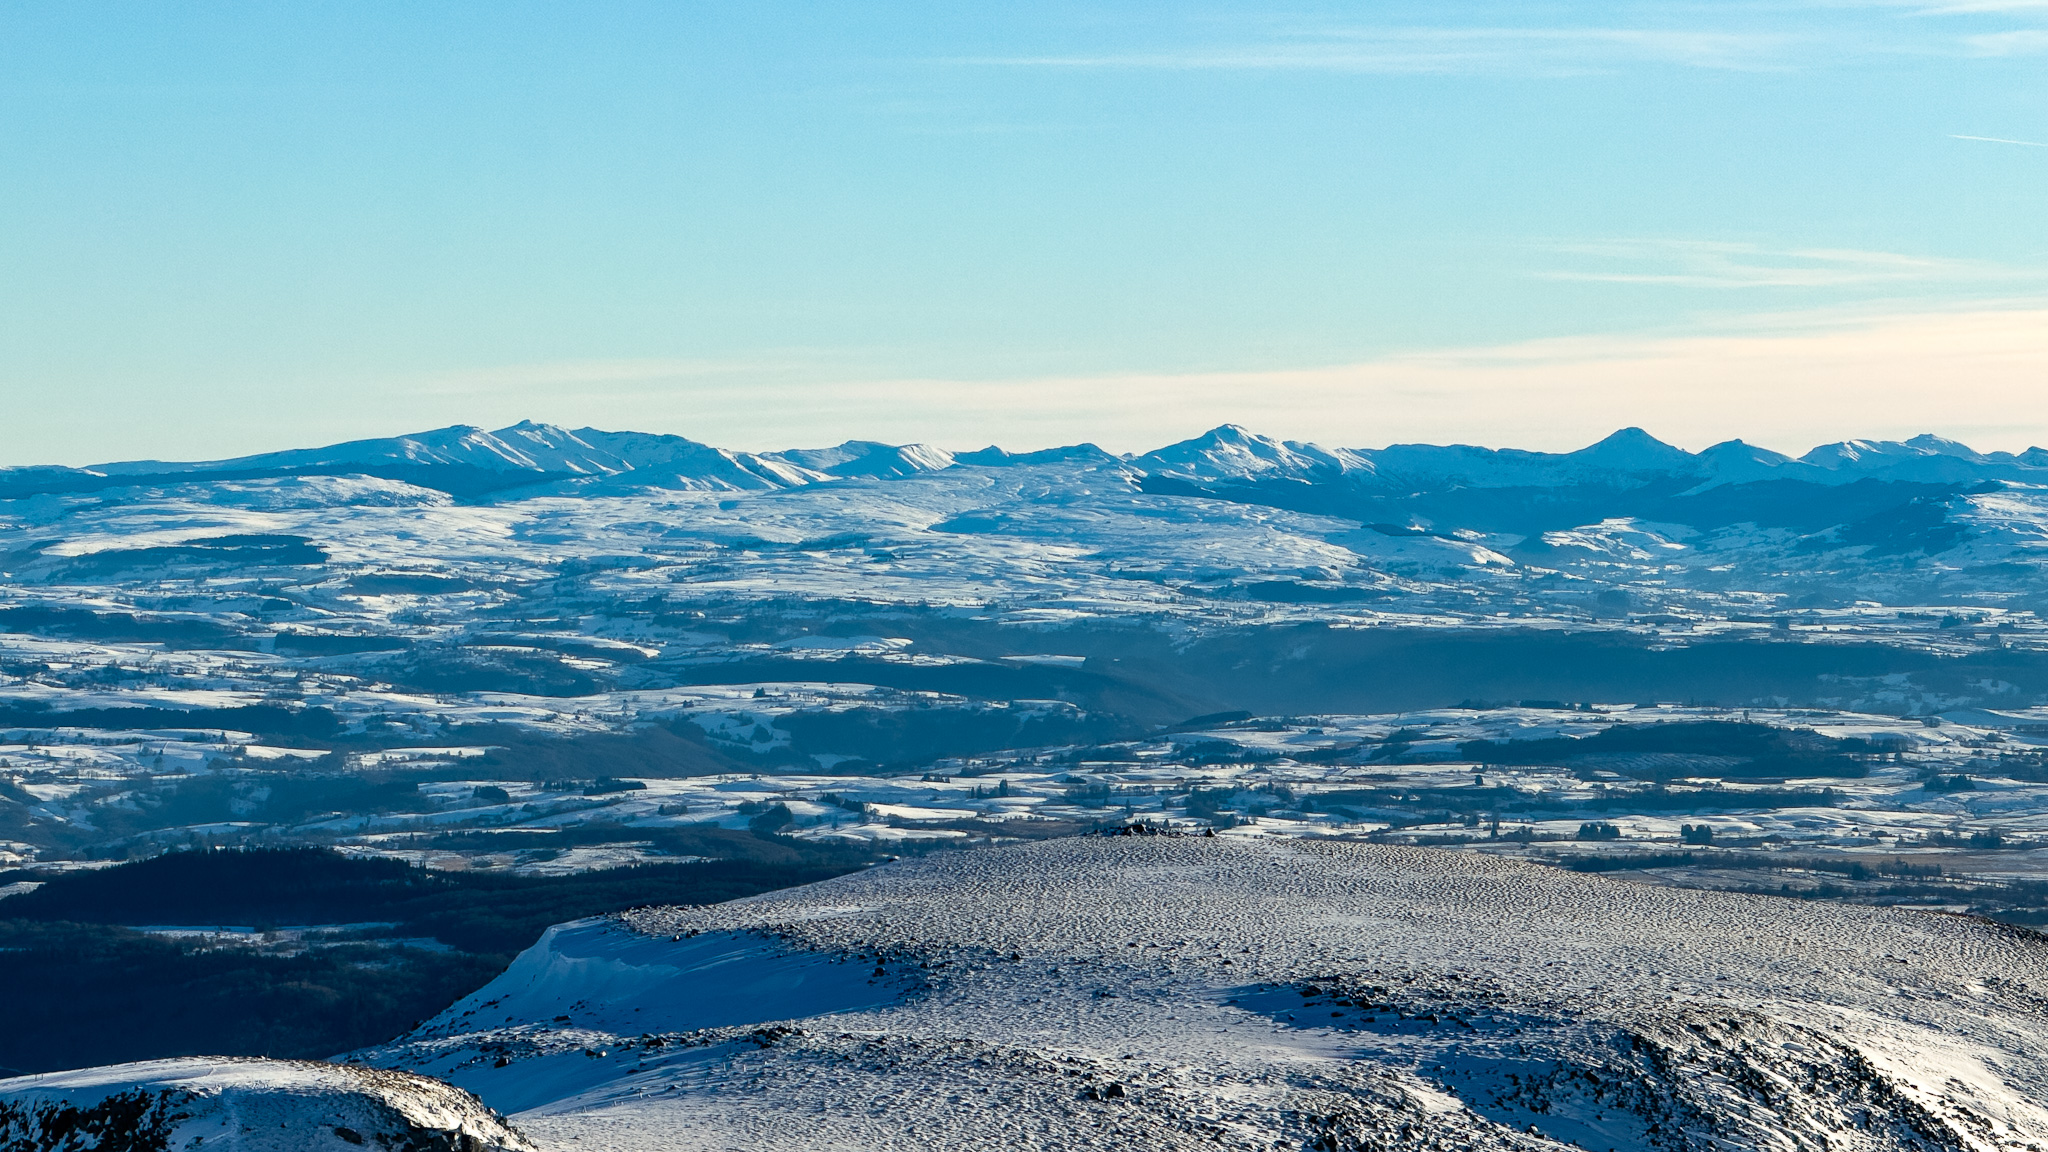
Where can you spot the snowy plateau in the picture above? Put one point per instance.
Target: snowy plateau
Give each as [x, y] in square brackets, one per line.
[1243, 793]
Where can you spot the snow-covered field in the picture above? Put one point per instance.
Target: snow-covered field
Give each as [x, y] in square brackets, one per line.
[1191, 992]
[341, 586]
[1968, 795]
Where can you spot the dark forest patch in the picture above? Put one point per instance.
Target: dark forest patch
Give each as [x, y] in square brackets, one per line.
[85, 988]
[222, 552]
[455, 669]
[910, 736]
[1667, 751]
[86, 994]
[272, 721]
[307, 644]
[121, 627]
[660, 751]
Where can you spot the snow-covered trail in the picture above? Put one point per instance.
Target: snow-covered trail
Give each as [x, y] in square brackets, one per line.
[1189, 992]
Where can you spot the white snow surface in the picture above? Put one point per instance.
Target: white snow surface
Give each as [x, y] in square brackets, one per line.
[1165, 992]
[245, 1105]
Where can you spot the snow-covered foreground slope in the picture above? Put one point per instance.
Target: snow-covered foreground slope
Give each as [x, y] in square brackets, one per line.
[245, 1106]
[1160, 993]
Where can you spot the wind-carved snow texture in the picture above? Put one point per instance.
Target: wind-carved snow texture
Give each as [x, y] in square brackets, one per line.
[1167, 992]
[245, 1105]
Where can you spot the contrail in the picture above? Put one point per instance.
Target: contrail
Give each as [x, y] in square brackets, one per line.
[1999, 140]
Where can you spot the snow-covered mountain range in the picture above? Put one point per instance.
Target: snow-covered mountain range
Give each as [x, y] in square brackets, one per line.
[528, 453]
[1731, 530]
[1230, 571]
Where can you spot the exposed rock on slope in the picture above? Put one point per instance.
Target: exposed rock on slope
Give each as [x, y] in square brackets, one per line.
[244, 1106]
[1183, 993]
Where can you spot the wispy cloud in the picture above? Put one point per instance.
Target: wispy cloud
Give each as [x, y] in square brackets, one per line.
[2001, 140]
[2018, 42]
[1723, 264]
[1768, 37]
[1985, 7]
[1439, 50]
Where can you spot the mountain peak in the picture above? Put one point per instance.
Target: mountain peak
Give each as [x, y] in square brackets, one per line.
[996, 457]
[1230, 451]
[867, 458]
[1943, 446]
[1732, 450]
[1634, 450]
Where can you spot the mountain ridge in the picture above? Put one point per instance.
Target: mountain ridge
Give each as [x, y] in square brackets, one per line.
[590, 461]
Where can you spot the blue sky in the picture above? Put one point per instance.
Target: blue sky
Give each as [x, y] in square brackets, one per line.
[228, 228]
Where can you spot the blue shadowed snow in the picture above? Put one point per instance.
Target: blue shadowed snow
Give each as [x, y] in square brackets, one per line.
[604, 977]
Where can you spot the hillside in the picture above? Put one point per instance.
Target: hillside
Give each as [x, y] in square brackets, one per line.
[1165, 992]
